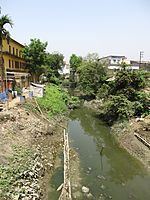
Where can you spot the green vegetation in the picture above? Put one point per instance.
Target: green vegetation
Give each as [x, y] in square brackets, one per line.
[122, 97]
[35, 56]
[125, 96]
[116, 108]
[42, 64]
[75, 62]
[20, 161]
[73, 102]
[54, 62]
[91, 77]
[54, 101]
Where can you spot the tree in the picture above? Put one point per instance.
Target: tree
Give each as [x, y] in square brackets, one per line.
[35, 56]
[75, 62]
[92, 57]
[127, 82]
[4, 34]
[54, 63]
[91, 76]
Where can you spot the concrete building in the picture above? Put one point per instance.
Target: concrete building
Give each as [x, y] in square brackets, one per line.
[14, 66]
[113, 63]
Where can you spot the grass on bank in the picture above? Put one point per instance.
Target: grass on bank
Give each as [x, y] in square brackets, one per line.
[54, 100]
[19, 162]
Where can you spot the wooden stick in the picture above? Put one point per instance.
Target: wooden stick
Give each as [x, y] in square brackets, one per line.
[44, 117]
[142, 140]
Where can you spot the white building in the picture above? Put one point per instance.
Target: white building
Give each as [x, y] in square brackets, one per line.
[114, 62]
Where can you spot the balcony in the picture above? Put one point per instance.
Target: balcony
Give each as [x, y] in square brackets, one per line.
[12, 55]
[17, 70]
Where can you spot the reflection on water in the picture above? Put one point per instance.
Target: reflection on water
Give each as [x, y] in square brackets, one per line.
[114, 172]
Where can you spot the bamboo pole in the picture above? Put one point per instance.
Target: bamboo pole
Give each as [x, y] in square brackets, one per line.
[142, 140]
[66, 190]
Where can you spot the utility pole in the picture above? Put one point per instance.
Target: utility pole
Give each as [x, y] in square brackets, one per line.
[141, 56]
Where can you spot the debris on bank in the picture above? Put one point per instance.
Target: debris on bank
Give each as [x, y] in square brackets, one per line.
[28, 148]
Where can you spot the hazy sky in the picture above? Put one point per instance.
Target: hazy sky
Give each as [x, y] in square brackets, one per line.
[107, 27]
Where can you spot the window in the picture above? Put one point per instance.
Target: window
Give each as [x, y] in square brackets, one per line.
[12, 64]
[13, 51]
[114, 60]
[16, 52]
[16, 64]
[9, 64]
[9, 49]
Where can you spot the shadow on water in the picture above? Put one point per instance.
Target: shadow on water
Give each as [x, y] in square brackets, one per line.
[56, 181]
[107, 170]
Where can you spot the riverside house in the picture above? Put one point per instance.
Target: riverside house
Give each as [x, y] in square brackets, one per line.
[113, 63]
[14, 66]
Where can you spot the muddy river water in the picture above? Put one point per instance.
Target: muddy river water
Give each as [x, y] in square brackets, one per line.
[106, 169]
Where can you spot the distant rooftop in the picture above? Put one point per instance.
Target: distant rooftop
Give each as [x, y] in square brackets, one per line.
[113, 56]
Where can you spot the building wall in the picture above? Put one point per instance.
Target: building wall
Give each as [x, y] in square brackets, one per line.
[14, 68]
[12, 55]
[116, 60]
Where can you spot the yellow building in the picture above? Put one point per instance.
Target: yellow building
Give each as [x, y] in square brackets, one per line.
[14, 65]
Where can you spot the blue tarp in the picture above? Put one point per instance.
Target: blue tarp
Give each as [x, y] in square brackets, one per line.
[3, 97]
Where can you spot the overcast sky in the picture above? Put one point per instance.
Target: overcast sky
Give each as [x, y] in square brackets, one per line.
[116, 27]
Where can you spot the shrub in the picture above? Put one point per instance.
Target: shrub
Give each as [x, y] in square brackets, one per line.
[127, 82]
[54, 101]
[142, 104]
[73, 102]
[103, 91]
[116, 108]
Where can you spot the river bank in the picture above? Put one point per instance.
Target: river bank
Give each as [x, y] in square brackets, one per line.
[124, 133]
[29, 146]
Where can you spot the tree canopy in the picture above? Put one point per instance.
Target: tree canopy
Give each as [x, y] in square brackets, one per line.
[75, 61]
[35, 56]
[54, 62]
[91, 76]
[5, 19]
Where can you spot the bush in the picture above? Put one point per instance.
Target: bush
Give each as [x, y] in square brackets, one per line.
[73, 102]
[142, 104]
[116, 108]
[103, 91]
[92, 75]
[54, 101]
[127, 81]
[124, 96]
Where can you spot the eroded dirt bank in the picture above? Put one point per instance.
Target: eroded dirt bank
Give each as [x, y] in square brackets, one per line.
[28, 150]
[125, 135]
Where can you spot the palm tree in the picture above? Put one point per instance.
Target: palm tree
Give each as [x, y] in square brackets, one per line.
[4, 34]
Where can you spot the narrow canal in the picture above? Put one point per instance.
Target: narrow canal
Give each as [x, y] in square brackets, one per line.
[112, 173]
[109, 174]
